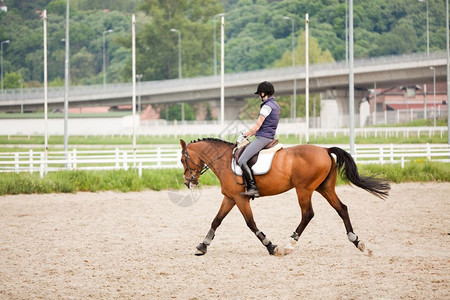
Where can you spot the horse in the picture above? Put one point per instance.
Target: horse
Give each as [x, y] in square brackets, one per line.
[307, 168]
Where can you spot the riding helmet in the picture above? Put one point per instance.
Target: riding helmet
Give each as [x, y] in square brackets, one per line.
[265, 87]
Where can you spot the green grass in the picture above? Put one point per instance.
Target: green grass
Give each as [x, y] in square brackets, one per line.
[418, 123]
[127, 140]
[164, 179]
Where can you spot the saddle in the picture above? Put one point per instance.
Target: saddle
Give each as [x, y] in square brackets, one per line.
[261, 162]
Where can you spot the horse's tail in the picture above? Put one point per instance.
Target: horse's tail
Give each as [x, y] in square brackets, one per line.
[375, 186]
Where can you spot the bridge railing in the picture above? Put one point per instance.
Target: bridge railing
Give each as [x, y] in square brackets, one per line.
[158, 158]
[76, 91]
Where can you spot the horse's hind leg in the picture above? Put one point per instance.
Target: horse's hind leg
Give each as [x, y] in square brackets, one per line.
[304, 200]
[330, 194]
[225, 208]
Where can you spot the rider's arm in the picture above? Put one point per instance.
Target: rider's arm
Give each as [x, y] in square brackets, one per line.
[256, 127]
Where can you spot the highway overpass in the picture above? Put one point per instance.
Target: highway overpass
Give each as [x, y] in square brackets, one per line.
[388, 71]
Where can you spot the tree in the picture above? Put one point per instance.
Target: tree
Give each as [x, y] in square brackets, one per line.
[12, 80]
[316, 55]
[173, 112]
[157, 51]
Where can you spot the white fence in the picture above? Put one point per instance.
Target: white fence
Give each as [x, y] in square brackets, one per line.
[33, 161]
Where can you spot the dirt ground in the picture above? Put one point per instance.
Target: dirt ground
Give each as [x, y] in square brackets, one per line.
[140, 245]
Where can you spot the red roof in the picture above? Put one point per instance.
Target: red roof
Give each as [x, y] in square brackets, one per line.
[399, 106]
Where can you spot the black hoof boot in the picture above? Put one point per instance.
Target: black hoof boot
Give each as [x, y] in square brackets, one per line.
[271, 248]
[201, 249]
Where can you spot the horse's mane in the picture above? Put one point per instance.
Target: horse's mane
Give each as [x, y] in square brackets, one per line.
[212, 140]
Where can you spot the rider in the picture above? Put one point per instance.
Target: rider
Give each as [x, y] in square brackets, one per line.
[264, 130]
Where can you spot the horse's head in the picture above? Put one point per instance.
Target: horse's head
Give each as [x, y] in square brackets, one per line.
[193, 165]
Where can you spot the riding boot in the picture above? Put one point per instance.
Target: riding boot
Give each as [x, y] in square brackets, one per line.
[252, 189]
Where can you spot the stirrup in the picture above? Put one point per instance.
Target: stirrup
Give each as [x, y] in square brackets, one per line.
[254, 193]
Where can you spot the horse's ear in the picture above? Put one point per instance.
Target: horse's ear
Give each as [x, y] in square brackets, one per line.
[183, 144]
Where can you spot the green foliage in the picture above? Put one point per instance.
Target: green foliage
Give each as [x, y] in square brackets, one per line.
[257, 35]
[174, 112]
[164, 179]
[419, 171]
[94, 181]
[12, 80]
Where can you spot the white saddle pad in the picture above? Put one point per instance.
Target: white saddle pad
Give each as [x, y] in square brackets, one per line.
[262, 165]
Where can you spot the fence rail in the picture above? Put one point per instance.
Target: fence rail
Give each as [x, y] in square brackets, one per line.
[285, 128]
[119, 159]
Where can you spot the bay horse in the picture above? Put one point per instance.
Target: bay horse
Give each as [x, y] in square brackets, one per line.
[307, 168]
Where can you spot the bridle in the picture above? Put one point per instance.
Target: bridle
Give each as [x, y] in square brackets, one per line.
[196, 173]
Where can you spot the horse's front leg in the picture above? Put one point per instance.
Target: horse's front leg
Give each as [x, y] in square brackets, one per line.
[244, 207]
[225, 208]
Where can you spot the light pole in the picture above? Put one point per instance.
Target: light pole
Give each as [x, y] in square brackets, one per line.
[21, 95]
[104, 55]
[179, 51]
[179, 66]
[215, 47]
[139, 76]
[448, 71]
[434, 95]
[66, 81]
[428, 31]
[294, 95]
[351, 85]
[4, 42]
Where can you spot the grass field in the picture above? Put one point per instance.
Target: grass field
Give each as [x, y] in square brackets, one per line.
[126, 181]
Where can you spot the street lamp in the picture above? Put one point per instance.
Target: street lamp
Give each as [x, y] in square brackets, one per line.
[294, 99]
[139, 76]
[179, 51]
[1, 45]
[428, 31]
[179, 66]
[104, 55]
[215, 48]
[434, 95]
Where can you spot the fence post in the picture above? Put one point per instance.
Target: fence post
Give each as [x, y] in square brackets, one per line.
[179, 164]
[16, 162]
[42, 164]
[381, 154]
[428, 151]
[31, 161]
[392, 153]
[158, 156]
[140, 169]
[74, 158]
[117, 158]
[125, 160]
[69, 160]
[403, 162]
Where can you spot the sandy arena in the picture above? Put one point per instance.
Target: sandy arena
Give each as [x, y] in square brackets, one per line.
[140, 245]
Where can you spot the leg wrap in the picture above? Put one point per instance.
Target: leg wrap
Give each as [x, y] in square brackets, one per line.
[209, 237]
[295, 236]
[265, 241]
[262, 237]
[353, 238]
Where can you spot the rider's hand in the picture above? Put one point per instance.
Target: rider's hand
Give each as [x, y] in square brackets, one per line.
[240, 139]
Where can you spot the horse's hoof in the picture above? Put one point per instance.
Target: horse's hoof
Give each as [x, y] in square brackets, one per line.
[272, 248]
[361, 246]
[199, 253]
[201, 249]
